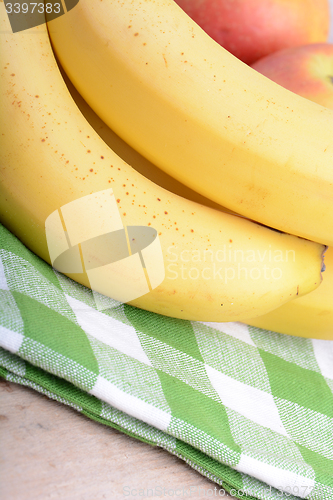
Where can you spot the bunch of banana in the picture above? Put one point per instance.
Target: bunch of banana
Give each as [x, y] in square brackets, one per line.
[309, 316]
[200, 114]
[58, 176]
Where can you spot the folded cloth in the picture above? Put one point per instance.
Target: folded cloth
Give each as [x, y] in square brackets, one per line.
[250, 409]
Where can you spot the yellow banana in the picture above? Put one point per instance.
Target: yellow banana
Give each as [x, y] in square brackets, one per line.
[132, 157]
[55, 168]
[308, 316]
[200, 114]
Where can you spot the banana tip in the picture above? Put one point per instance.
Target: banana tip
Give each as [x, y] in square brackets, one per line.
[323, 265]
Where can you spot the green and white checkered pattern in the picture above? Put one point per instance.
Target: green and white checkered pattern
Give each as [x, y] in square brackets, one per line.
[250, 409]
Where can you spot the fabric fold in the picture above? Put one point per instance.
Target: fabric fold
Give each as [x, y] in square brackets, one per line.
[249, 409]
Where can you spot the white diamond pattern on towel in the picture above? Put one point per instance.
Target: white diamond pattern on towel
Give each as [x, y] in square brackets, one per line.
[131, 405]
[137, 426]
[250, 402]
[111, 332]
[282, 479]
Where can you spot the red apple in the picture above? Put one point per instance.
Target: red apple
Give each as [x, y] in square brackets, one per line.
[306, 70]
[251, 29]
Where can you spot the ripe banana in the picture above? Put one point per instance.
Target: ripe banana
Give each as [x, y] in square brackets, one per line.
[132, 157]
[218, 267]
[200, 114]
[308, 316]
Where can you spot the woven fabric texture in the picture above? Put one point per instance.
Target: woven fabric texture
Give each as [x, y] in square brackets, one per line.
[250, 409]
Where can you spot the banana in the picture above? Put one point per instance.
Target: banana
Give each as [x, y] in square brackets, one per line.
[200, 114]
[57, 176]
[308, 316]
[132, 157]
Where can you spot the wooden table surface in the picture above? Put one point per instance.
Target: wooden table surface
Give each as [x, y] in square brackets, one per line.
[50, 451]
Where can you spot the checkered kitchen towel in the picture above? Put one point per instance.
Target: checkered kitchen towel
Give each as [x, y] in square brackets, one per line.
[251, 410]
